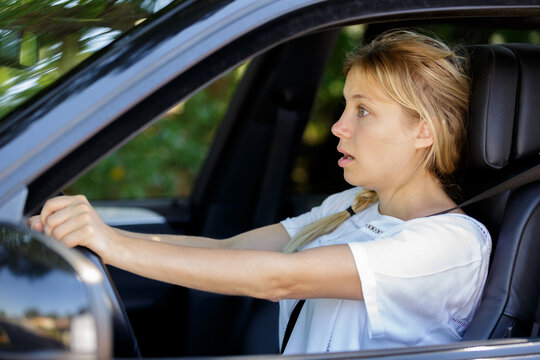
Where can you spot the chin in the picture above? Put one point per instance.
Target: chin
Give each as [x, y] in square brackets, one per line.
[358, 181]
[352, 180]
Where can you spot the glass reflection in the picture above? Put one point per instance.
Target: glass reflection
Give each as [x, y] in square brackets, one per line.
[43, 306]
[66, 33]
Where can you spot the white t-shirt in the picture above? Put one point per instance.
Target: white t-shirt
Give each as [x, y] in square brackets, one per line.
[422, 280]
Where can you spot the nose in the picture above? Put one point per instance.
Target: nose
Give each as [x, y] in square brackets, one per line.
[340, 127]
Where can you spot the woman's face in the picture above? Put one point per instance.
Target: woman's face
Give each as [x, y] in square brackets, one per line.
[378, 141]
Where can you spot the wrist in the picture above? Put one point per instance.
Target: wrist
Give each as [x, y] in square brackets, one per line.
[112, 245]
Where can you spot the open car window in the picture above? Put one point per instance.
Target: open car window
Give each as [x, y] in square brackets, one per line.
[165, 159]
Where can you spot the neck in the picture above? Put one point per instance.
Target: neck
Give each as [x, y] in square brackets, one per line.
[421, 196]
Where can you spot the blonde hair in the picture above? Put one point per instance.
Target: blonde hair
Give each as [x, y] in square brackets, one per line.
[430, 82]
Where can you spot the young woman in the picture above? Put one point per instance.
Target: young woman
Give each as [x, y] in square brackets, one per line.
[377, 268]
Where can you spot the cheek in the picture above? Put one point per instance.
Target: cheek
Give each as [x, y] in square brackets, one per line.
[371, 142]
[383, 154]
[387, 138]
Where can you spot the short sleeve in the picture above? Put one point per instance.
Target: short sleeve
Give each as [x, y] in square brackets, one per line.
[332, 204]
[424, 281]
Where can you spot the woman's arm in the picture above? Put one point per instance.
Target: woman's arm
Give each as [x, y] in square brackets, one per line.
[325, 272]
[271, 238]
[56, 212]
[265, 273]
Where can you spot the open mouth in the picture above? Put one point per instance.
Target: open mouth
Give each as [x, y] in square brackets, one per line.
[345, 159]
[346, 155]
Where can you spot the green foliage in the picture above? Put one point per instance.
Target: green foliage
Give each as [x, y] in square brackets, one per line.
[66, 32]
[165, 159]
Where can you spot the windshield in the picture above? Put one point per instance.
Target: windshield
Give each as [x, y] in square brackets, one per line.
[40, 40]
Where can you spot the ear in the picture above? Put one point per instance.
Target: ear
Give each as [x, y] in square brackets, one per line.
[424, 136]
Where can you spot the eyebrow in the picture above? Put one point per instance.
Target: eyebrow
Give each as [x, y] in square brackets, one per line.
[361, 96]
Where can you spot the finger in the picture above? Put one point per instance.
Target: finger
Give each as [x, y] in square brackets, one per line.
[74, 225]
[34, 223]
[78, 236]
[67, 213]
[55, 204]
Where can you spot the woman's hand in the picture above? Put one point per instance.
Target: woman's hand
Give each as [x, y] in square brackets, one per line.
[72, 221]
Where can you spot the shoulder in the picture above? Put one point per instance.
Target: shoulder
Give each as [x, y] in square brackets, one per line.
[430, 245]
[458, 227]
[449, 237]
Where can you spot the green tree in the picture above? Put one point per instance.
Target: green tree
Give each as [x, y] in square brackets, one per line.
[67, 32]
[165, 159]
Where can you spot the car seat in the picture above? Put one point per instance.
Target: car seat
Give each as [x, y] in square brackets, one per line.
[504, 139]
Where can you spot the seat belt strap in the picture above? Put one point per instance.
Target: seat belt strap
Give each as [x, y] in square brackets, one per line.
[518, 180]
[291, 323]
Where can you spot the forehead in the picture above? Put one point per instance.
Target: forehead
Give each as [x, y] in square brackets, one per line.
[359, 84]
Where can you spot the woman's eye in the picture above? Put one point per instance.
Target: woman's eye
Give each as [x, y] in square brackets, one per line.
[362, 112]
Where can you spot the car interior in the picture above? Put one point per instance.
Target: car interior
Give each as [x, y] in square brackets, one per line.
[263, 127]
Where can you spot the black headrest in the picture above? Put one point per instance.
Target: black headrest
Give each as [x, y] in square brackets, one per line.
[494, 73]
[527, 128]
[504, 112]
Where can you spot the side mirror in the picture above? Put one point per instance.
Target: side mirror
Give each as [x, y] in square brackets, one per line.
[18, 49]
[52, 300]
